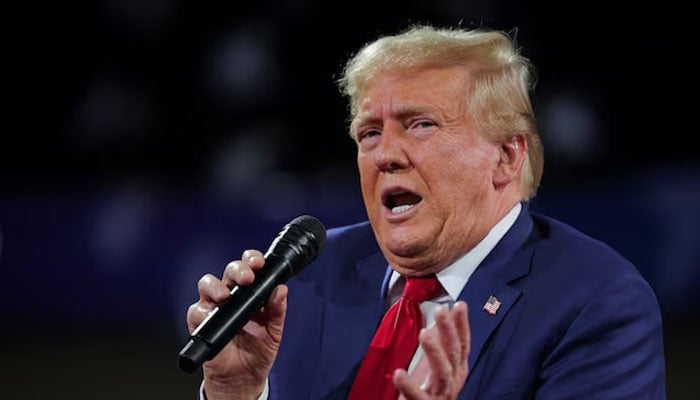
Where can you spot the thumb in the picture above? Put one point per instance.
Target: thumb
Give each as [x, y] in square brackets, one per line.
[275, 312]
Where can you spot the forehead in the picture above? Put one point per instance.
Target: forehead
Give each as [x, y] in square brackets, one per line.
[415, 90]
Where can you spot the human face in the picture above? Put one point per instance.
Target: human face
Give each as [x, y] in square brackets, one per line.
[427, 176]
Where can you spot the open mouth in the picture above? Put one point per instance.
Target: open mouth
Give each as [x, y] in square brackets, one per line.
[399, 202]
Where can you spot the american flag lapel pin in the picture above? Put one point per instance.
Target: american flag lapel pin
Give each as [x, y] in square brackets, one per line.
[492, 304]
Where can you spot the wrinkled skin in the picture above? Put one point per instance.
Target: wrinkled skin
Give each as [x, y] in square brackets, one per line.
[414, 136]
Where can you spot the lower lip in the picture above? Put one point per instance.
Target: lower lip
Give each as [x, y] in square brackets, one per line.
[403, 215]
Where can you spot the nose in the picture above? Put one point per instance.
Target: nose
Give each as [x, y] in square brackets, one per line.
[389, 155]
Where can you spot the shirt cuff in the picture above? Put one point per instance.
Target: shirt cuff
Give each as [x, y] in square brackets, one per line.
[265, 395]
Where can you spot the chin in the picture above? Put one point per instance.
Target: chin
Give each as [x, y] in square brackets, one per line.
[409, 264]
[403, 245]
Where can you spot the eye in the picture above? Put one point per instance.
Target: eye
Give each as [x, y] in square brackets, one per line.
[368, 133]
[422, 123]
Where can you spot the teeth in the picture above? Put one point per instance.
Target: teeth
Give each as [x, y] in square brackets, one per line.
[400, 209]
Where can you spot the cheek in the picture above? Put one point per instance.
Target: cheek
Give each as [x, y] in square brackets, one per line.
[368, 177]
[364, 167]
[457, 173]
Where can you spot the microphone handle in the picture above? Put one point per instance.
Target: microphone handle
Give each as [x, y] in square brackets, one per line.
[211, 335]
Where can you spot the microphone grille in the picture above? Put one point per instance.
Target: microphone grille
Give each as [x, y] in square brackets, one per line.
[313, 226]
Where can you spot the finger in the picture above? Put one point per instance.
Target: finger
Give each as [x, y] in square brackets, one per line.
[254, 258]
[211, 290]
[460, 316]
[241, 272]
[407, 388]
[238, 273]
[196, 313]
[440, 367]
[447, 333]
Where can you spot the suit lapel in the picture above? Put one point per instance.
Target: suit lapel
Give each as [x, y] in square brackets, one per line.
[481, 322]
[350, 318]
[508, 261]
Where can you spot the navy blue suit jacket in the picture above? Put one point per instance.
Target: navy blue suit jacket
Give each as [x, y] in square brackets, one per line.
[577, 320]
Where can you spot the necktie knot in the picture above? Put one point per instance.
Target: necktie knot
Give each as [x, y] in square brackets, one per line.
[422, 289]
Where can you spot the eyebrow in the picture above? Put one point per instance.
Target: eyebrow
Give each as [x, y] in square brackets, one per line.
[402, 111]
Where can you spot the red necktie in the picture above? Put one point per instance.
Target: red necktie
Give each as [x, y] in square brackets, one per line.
[394, 343]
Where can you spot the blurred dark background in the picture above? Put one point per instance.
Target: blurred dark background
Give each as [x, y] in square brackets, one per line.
[157, 139]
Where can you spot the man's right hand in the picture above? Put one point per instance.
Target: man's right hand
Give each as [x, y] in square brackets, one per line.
[241, 368]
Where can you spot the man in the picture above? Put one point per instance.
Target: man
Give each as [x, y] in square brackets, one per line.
[449, 156]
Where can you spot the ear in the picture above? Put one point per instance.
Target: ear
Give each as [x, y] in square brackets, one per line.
[512, 154]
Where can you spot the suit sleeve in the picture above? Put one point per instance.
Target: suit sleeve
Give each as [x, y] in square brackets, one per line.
[612, 350]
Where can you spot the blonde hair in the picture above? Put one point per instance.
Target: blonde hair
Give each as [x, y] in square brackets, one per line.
[499, 96]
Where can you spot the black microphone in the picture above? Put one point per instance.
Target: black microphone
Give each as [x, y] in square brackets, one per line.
[297, 245]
